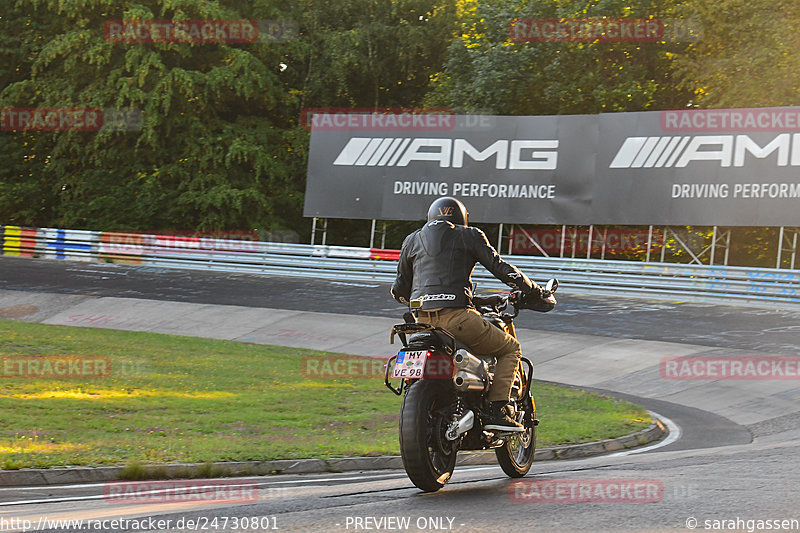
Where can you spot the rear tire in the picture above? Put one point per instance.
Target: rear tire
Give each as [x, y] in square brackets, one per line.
[428, 457]
[516, 454]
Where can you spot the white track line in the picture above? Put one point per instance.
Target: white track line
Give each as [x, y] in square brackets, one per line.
[674, 434]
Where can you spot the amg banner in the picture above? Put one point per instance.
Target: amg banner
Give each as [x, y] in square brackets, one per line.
[733, 167]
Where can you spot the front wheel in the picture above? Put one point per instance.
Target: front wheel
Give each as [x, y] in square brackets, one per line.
[428, 457]
[516, 454]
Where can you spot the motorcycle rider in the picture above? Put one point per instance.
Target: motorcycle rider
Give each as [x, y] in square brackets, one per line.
[434, 272]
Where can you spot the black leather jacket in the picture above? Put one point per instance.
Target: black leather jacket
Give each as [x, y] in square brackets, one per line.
[436, 264]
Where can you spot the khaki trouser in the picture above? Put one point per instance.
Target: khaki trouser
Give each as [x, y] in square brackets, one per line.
[469, 327]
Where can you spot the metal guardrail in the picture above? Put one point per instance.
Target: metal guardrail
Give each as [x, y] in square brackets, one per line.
[777, 288]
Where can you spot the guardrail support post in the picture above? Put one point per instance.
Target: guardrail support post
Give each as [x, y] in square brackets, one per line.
[713, 245]
[783, 240]
[649, 243]
[314, 230]
[574, 241]
[372, 235]
[727, 245]
[589, 245]
[722, 240]
[500, 237]
[563, 234]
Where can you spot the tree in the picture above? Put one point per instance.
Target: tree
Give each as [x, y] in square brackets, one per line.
[217, 147]
[747, 56]
[369, 55]
[221, 145]
[372, 54]
[488, 71]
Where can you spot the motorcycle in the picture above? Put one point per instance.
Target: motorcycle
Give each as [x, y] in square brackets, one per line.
[446, 388]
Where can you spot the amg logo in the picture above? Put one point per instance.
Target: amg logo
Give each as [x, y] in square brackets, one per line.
[399, 152]
[729, 150]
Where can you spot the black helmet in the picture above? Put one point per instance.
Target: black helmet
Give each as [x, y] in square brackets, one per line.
[449, 209]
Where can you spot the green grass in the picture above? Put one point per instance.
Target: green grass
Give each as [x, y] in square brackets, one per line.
[184, 399]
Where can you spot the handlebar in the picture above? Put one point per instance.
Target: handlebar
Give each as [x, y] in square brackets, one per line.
[544, 302]
[493, 300]
[497, 303]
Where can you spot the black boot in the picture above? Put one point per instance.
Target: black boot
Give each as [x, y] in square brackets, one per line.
[497, 418]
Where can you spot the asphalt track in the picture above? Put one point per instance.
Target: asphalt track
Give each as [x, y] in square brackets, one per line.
[724, 326]
[735, 461]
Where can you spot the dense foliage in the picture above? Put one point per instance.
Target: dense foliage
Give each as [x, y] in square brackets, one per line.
[487, 70]
[221, 145]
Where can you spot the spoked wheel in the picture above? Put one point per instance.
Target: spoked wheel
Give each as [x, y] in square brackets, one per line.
[428, 457]
[516, 455]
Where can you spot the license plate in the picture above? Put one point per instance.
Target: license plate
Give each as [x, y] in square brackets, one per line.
[410, 364]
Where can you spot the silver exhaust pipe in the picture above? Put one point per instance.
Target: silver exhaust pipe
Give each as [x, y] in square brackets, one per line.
[469, 363]
[465, 381]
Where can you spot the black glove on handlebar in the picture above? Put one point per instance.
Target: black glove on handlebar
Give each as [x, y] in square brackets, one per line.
[535, 292]
[536, 300]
